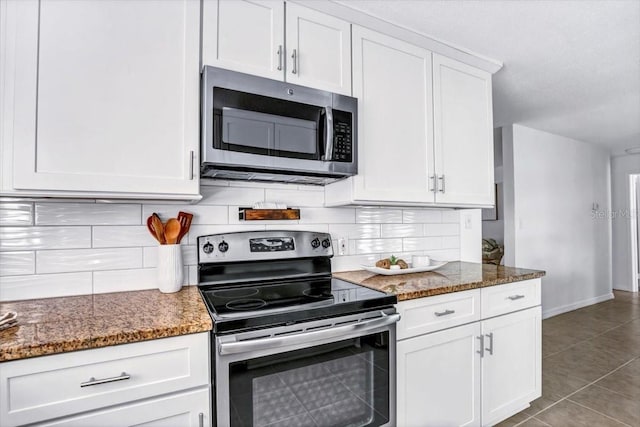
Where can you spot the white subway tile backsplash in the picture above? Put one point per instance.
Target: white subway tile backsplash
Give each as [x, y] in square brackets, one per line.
[442, 229]
[87, 214]
[410, 216]
[124, 280]
[378, 215]
[402, 230]
[32, 238]
[451, 215]
[450, 242]
[368, 246]
[118, 236]
[79, 247]
[327, 215]
[17, 263]
[421, 243]
[16, 213]
[296, 198]
[67, 260]
[44, 286]
[225, 196]
[354, 231]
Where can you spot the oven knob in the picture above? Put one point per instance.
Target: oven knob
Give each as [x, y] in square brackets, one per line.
[315, 243]
[207, 248]
[326, 243]
[223, 246]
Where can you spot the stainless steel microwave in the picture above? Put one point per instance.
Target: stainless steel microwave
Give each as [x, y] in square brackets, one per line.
[260, 129]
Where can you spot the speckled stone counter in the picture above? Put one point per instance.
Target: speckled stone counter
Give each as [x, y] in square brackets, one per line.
[56, 325]
[452, 277]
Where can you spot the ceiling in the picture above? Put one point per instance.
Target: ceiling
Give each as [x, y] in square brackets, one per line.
[571, 67]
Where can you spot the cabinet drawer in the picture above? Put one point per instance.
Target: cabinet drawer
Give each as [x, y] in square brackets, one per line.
[502, 299]
[64, 384]
[178, 409]
[424, 315]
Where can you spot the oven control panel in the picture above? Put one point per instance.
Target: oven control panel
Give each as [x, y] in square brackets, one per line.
[263, 245]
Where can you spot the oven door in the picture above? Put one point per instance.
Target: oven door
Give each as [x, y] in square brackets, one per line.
[332, 372]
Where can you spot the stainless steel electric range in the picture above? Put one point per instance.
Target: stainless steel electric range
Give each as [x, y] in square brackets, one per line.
[291, 345]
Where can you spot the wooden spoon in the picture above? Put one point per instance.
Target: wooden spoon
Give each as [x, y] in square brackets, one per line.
[185, 222]
[171, 231]
[158, 227]
[152, 230]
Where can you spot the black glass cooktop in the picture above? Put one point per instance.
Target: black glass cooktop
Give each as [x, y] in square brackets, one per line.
[241, 307]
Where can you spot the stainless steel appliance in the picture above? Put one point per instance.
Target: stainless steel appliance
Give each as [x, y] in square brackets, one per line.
[291, 345]
[260, 129]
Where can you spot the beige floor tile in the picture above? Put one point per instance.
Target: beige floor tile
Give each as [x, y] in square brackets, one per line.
[533, 422]
[515, 420]
[610, 403]
[569, 414]
[618, 341]
[625, 381]
[617, 312]
[554, 388]
[552, 344]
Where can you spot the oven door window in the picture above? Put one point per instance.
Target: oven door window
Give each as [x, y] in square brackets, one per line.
[339, 384]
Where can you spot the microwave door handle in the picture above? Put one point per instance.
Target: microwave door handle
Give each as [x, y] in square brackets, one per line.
[328, 150]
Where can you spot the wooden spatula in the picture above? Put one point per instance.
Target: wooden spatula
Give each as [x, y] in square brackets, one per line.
[185, 223]
[152, 230]
[172, 231]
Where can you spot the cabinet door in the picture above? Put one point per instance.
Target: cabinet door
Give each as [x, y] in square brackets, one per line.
[439, 378]
[245, 36]
[190, 409]
[463, 133]
[322, 46]
[392, 81]
[512, 368]
[105, 95]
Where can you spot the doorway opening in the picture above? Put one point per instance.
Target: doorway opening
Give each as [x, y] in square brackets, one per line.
[634, 215]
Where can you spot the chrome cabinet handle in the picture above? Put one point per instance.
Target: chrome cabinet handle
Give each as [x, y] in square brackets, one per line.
[201, 419]
[444, 313]
[481, 351]
[516, 297]
[294, 56]
[490, 348]
[92, 381]
[307, 337]
[193, 165]
[441, 178]
[328, 151]
[279, 52]
[433, 183]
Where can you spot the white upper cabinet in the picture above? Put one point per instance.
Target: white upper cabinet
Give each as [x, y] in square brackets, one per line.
[318, 50]
[245, 36]
[425, 128]
[104, 98]
[392, 81]
[249, 36]
[463, 133]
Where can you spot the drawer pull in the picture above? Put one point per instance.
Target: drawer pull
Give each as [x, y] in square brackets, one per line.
[200, 419]
[516, 297]
[444, 313]
[490, 348]
[92, 381]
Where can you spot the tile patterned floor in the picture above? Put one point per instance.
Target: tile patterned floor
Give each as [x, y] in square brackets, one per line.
[590, 368]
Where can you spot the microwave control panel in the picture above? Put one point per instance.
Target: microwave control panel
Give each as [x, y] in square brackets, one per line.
[342, 137]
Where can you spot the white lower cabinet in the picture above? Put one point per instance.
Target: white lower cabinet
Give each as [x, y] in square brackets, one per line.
[475, 373]
[438, 378]
[158, 382]
[512, 364]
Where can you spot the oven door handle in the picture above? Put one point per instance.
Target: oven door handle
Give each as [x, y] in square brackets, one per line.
[305, 337]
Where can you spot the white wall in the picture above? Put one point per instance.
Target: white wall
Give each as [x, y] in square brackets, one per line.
[553, 183]
[50, 248]
[621, 214]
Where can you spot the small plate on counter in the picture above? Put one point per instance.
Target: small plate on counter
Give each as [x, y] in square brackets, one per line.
[388, 272]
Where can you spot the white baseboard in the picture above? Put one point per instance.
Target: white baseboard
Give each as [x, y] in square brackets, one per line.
[576, 305]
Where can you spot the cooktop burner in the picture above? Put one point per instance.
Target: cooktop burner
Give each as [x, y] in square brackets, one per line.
[242, 307]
